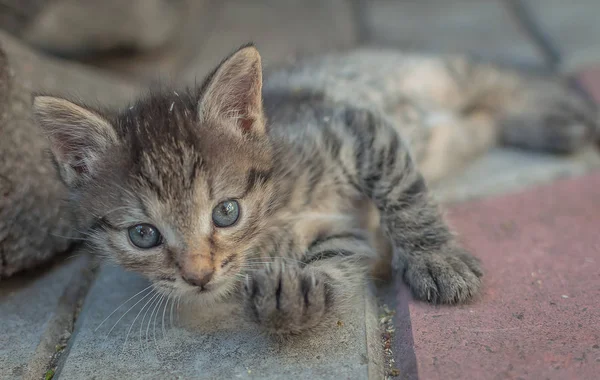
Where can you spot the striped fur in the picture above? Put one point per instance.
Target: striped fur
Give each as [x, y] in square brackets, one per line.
[327, 184]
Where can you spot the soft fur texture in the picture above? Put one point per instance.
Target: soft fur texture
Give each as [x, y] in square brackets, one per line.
[320, 176]
[36, 224]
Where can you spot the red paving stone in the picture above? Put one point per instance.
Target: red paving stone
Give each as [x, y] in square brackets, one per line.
[539, 317]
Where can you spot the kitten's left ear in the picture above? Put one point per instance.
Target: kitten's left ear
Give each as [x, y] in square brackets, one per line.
[233, 93]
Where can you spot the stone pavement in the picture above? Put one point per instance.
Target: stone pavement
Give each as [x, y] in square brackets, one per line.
[156, 342]
[213, 343]
[32, 311]
[538, 316]
[52, 321]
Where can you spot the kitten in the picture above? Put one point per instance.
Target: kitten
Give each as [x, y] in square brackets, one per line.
[208, 196]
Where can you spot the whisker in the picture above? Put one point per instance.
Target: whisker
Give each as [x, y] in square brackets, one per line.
[178, 312]
[121, 305]
[144, 318]
[124, 314]
[70, 237]
[73, 256]
[254, 259]
[84, 233]
[136, 317]
[171, 312]
[156, 308]
[163, 314]
[118, 209]
[259, 263]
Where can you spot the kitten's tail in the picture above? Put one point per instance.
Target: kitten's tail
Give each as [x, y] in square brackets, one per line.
[534, 112]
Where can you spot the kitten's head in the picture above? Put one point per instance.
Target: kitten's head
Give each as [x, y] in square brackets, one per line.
[176, 186]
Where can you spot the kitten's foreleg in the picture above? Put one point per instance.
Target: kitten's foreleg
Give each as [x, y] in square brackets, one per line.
[288, 297]
[432, 263]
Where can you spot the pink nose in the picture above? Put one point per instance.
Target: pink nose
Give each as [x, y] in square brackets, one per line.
[198, 279]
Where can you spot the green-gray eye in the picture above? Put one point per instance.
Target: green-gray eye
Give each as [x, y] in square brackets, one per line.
[144, 236]
[226, 213]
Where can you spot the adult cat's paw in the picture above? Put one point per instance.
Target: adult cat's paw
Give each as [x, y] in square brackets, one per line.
[285, 298]
[552, 119]
[443, 278]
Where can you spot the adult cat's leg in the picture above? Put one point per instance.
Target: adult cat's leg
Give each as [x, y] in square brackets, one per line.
[464, 107]
[535, 112]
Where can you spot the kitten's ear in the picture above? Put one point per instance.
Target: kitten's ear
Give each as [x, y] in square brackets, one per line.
[78, 136]
[234, 93]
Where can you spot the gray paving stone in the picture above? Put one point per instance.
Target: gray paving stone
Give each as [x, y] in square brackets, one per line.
[505, 170]
[205, 343]
[481, 27]
[28, 304]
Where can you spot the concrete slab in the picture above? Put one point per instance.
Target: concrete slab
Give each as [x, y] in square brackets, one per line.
[506, 170]
[482, 27]
[28, 306]
[210, 344]
[538, 317]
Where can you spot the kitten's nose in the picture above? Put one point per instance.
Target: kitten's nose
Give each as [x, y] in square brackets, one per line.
[198, 279]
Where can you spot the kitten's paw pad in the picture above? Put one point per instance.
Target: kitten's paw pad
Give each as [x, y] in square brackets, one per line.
[285, 299]
[443, 278]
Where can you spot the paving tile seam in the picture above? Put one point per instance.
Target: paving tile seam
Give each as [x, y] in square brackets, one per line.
[55, 340]
[375, 354]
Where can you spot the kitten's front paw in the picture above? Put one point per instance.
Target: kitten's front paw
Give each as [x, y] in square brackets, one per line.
[443, 278]
[285, 298]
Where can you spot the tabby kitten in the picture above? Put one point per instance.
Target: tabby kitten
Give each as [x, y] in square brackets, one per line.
[208, 196]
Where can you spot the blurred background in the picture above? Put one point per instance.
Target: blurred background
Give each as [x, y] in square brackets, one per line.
[179, 40]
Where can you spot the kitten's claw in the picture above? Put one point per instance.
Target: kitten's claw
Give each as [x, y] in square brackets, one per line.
[285, 301]
[443, 278]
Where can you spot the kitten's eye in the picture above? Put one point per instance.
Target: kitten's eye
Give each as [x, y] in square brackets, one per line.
[226, 213]
[144, 236]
